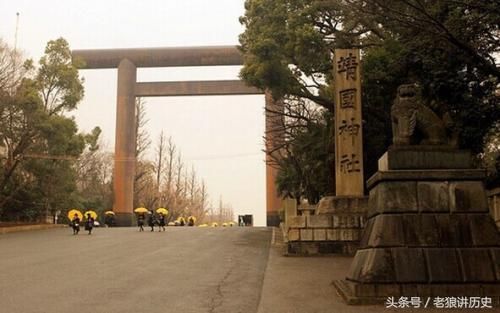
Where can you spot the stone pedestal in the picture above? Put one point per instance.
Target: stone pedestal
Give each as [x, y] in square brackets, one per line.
[335, 228]
[428, 232]
[125, 219]
[290, 210]
[338, 221]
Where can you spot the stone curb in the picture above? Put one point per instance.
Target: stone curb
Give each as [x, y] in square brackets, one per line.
[13, 229]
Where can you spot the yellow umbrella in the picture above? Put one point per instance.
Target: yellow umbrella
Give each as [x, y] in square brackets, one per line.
[231, 224]
[162, 211]
[109, 213]
[203, 225]
[141, 210]
[193, 218]
[224, 224]
[180, 218]
[214, 224]
[71, 214]
[93, 214]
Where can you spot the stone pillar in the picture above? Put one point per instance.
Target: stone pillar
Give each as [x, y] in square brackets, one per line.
[348, 128]
[349, 205]
[274, 135]
[125, 144]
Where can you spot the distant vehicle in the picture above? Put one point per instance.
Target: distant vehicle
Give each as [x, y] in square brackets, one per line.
[245, 220]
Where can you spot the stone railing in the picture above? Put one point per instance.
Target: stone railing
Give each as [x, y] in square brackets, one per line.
[494, 204]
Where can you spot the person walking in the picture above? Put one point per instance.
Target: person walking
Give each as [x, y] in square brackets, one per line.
[140, 221]
[109, 220]
[161, 222]
[75, 223]
[89, 224]
[151, 221]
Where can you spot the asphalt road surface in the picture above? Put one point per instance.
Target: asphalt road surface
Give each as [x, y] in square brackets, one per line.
[185, 269]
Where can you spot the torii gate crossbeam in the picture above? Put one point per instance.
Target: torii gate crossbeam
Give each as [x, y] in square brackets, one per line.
[127, 61]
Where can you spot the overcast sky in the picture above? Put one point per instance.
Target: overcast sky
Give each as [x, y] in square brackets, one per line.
[221, 136]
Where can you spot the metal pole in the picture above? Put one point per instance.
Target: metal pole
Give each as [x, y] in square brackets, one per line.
[17, 28]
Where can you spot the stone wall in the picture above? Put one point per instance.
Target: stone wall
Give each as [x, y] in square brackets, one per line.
[324, 234]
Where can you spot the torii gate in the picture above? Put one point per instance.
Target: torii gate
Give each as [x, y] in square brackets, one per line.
[127, 61]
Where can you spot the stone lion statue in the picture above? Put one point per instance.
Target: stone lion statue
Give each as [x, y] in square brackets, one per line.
[415, 123]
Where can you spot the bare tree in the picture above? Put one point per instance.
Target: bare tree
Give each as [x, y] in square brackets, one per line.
[94, 174]
[171, 149]
[12, 68]
[178, 182]
[192, 186]
[143, 141]
[176, 188]
[143, 167]
[286, 118]
[203, 200]
[224, 213]
[158, 168]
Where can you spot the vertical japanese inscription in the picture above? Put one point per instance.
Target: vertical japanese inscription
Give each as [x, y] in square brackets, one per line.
[348, 124]
[348, 65]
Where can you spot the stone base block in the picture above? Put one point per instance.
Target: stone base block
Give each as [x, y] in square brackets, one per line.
[348, 221]
[125, 219]
[306, 234]
[426, 175]
[297, 222]
[293, 234]
[336, 234]
[427, 197]
[319, 234]
[300, 248]
[318, 221]
[424, 265]
[340, 205]
[430, 230]
[408, 158]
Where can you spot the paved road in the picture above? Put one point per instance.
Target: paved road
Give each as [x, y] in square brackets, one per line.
[184, 270]
[121, 270]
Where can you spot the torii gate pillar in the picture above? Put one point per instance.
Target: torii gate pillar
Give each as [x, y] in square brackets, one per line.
[274, 137]
[125, 143]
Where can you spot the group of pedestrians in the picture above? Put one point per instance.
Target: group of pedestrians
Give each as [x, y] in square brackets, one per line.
[152, 221]
[75, 224]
